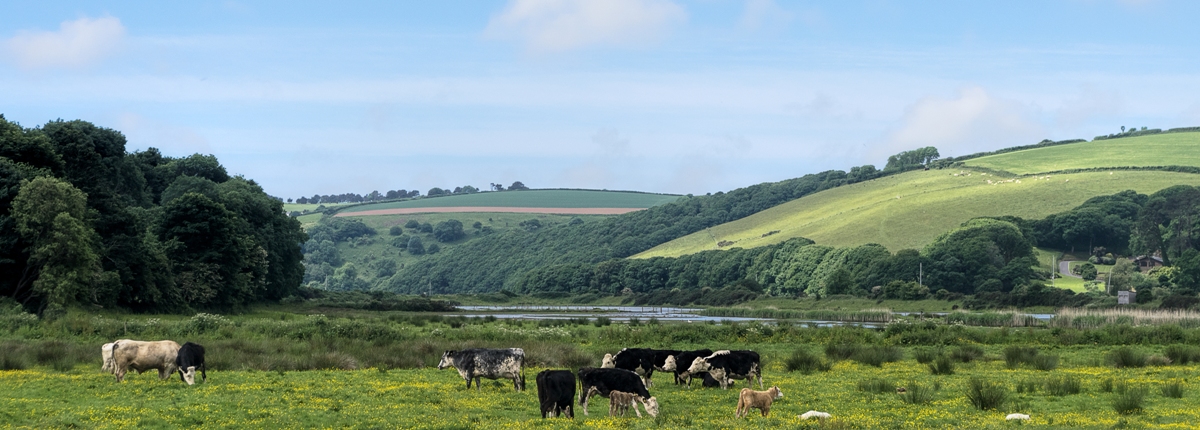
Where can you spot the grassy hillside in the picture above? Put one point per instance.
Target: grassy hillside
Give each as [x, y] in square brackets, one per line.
[531, 198]
[909, 210]
[1174, 149]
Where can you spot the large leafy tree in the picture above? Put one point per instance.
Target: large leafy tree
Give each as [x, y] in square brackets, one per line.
[63, 262]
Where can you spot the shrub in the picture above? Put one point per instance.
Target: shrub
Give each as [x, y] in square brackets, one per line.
[1063, 385]
[966, 353]
[1157, 360]
[986, 395]
[1173, 389]
[1127, 357]
[602, 321]
[1106, 385]
[917, 394]
[1182, 354]
[1129, 401]
[943, 365]
[841, 351]
[1028, 386]
[877, 386]
[926, 355]
[806, 362]
[1044, 362]
[395, 230]
[1015, 356]
[876, 355]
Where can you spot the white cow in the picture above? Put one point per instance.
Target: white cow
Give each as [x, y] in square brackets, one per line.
[143, 356]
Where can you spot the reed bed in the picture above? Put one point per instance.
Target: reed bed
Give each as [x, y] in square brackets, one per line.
[1095, 318]
[993, 319]
[863, 316]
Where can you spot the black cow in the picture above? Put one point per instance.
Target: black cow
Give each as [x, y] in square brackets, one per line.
[680, 363]
[487, 363]
[660, 360]
[556, 392]
[726, 366]
[636, 360]
[190, 358]
[602, 381]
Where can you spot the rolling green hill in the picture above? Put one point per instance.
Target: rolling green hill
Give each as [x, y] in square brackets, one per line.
[1173, 149]
[910, 209]
[529, 199]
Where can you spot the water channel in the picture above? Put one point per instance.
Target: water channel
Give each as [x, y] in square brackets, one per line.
[623, 314]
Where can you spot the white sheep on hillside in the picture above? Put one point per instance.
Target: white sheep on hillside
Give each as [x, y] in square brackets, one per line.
[1021, 417]
[815, 414]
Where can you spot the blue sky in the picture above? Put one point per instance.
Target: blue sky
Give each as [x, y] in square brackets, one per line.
[655, 95]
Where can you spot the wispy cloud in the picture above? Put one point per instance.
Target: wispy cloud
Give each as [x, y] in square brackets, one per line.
[549, 26]
[76, 44]
[972, 121]
[763, 14]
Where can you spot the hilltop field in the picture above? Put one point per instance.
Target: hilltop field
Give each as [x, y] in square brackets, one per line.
[579, 202]
[911, 209]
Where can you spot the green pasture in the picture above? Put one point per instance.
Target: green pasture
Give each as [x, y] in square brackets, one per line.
[297, 207]
[532, 198]
[1171, 149]
[909, 210]
[428, 398]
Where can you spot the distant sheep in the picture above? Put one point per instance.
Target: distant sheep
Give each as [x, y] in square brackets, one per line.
[814, 414]
[1022, 417]
[750, 399]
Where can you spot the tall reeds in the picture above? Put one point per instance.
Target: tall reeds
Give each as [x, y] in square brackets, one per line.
[865, 316]
[1095, 318]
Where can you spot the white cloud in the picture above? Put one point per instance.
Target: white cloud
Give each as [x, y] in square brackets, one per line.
[760, 14]
[971, 122]
[171, 139]
[1091, 103]
[548, 26]
[76, 44]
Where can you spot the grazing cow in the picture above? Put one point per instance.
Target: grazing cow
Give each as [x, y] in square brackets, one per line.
[620, 401]
[749, 399]
[727, 365]
[487, 363]
[603, 381]
[190, 358]
[815, 414]
[660, 360]
[636, 360]
[106, 356]
[143, 356]
[673, 364]
[556, 393]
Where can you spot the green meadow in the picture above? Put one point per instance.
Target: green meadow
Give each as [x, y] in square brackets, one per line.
[532, 198]
[1171, 149]
[909, 210]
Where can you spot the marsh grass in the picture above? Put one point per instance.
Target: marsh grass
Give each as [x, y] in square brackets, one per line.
[1095, 318]
[943, 365]
[918, 394]
[877, 386]
[966, 353]
[873, 355]
[1182, 354]
[1172, 389]
[926, 355]
[1127, 357]
[1129, 400]
[804, 361]
[986, 395]
[1063, 385]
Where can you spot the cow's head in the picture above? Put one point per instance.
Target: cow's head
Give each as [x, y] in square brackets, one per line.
[669, 363]
[447, 360]
[189, 375]
[651, 406]
[700, 364]
[607, 362]
[778, 392]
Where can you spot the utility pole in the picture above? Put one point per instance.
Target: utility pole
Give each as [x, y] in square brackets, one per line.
[921, 274]
[1053, 268]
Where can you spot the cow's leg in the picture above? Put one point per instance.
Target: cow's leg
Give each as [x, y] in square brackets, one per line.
[766, 409]
[478, 380]
[203, 373]
[635, 409]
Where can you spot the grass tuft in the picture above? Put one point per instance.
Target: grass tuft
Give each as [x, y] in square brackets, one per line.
[943, 365]
[1127, 357]
[1129, 401]
[804, 361]
[877, 386]
[986, 395]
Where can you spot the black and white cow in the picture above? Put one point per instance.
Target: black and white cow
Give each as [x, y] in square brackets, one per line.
[593, 381]
[636, 360]
[487, 363]
[660, 360]
[725, 366]
[679, 364]
[556, 393]
[190, 358]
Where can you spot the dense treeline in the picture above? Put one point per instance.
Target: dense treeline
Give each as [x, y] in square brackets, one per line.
[83, 222]
[502, 259]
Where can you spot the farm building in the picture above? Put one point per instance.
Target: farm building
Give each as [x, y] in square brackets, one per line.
[1126, 297]
[1145, 263]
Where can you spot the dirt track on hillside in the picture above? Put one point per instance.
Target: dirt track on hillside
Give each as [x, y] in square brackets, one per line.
[456, 209]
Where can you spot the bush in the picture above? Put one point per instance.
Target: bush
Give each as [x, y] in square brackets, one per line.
[602, 321]
[1063, 385]
[877, 386]
[1182, 354]
[806, 362]
[1015, 356]
[943, 365]
[840, 351]
[1044, 362]
[967, 353]
[1129, 401]
[986, 395]
[876, 355]
[1028, 386]
[917, 394]
[926, 355]
[1127, 357]
[1157, 360]
[1173, 389]
[1106, 385]
[395, 230]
